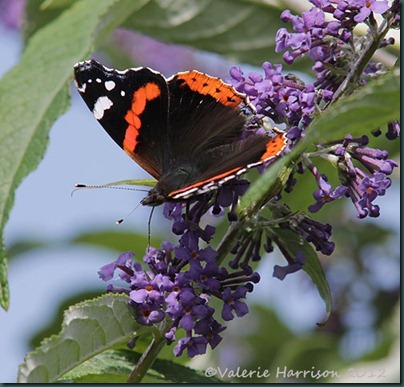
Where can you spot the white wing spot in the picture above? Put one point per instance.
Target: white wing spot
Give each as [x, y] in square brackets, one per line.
[109, 85]
[102, 104]
[123, 93]
[98, 80]
[82, 89]
[90, 81]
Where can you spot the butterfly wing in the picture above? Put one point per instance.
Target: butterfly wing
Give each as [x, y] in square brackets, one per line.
[131, 106]
[208, 135]
[186, 131]
[232, 161]
[203, 112]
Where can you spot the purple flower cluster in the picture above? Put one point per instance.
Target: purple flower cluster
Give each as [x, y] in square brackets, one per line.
[367, 183]
[330, 44]
[363, 173]
[324, 193]
[328, 41]
[181, 280]
[281, 98]
[286, 99]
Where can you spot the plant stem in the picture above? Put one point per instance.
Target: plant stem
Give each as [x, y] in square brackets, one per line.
[228, 241]
[357, 69]
[147, 359]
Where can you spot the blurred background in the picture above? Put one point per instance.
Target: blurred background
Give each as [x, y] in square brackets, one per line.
[57, 242]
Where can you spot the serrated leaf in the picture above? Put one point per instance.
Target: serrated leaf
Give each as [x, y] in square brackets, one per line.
[294, 243]
[108, 366]
[88, 329]
[36, 92]
[115, 367]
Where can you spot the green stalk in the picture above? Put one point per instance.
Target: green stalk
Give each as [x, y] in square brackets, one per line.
[363, 60]
[147, 359]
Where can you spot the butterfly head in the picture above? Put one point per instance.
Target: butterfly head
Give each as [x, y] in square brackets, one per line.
[154, 198]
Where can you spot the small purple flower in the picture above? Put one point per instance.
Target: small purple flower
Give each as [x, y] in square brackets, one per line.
[232, 303]
[106, 272]
[147, 313]
[173, 211]
[194, 346]
[206, 276]
[371, 188]
[366, 183]
[228, 196]
[194, 255]
[281, 272]
[393, 130]
[170, 335]
[316, 233]
[367, 6]
[210, 329]
[324, 194]
[145, 289]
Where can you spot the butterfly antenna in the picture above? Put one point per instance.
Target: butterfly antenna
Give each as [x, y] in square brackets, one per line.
[84, 186]
[130, 213]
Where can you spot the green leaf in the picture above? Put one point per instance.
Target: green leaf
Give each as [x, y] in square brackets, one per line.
[302, 352]
[117, 240]
[293, 243]
[267, 185]
[372, 106]
[115, 367]
[108, 366]
[242, 30]
[38, 13]
[36, 92]
[88, 329]
[144, 182]
[23, 246]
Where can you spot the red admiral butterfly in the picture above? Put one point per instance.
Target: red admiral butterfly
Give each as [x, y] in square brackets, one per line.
[186, 131]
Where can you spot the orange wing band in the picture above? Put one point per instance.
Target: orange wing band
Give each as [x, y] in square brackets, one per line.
[146, 93]
[216, 88]
[274, 146]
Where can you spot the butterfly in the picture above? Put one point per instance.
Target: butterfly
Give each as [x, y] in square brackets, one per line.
[186, 131]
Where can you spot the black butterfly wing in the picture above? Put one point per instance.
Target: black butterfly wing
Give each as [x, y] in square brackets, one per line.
[203, 113]
[132, 107]
[205, 130]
